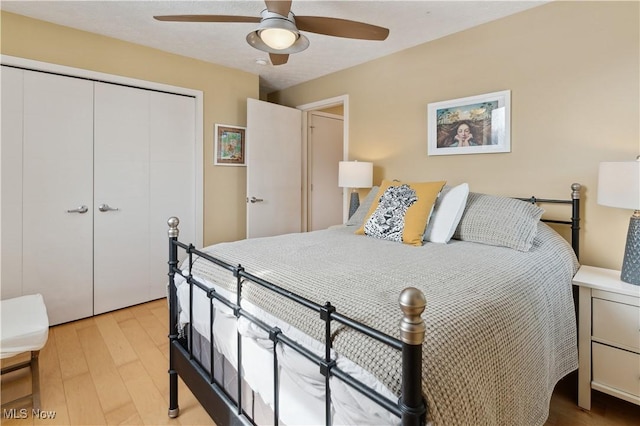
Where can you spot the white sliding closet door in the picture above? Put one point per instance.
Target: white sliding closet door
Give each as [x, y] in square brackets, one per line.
[144, 168]
[91, 172]
[172, 172]
[57, 177]
[121, 171]
[11, 170]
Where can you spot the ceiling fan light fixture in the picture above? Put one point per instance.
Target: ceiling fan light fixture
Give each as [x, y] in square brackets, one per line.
[301, 43]
[277, 34]
[278, 38]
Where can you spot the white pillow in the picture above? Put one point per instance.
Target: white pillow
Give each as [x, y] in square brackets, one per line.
[447, 213]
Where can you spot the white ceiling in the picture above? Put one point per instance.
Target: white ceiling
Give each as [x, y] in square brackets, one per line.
[410, 23]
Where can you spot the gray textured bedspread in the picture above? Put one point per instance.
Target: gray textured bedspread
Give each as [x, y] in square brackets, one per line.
[501, 328]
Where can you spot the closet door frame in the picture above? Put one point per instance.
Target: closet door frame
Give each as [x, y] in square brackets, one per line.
[126, 81]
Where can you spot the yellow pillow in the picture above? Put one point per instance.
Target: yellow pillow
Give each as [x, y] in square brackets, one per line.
[401, 211]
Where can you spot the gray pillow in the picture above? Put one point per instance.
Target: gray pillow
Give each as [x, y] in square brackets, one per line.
[499, 221]
[361, 212]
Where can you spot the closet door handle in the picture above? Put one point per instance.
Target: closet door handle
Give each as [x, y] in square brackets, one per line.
[81, 209]
[107, 208]
[256, 200]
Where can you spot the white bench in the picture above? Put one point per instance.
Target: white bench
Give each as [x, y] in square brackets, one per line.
[24, 328]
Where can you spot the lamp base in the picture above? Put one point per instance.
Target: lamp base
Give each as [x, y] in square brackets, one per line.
[354, 203]
[631, 263]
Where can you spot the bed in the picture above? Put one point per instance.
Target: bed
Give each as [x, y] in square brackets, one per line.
[254, 338]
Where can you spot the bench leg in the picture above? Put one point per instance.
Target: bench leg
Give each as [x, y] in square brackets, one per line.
[34, 397]
[35, 379]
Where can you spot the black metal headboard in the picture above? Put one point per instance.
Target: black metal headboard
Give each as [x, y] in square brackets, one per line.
[575, 214]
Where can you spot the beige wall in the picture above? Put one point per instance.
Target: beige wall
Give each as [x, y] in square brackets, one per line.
[573, 72]
[572, 67]
[225, 93]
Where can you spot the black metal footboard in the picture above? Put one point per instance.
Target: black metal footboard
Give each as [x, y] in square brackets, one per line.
[225, 410]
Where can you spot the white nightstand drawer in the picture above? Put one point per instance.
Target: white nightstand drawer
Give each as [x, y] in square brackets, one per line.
[616, 323]
[616, 368]
[608, 335]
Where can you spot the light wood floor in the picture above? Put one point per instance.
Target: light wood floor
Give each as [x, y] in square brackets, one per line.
[605, 409]
[112, 369]
[108, 369]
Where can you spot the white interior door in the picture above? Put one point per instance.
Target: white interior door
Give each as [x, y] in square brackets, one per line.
[121, 200]
[325, 151]
[57, 177]
[274, 169]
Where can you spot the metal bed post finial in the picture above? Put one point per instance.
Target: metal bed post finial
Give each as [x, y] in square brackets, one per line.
[412, 327]
[173, 223]
[575, 194]
[173, 232]
[412, 331]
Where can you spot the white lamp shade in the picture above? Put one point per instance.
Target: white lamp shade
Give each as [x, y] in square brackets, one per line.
[355, 174]
[619, 184]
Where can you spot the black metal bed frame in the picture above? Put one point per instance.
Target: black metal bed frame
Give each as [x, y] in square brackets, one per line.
[575, 214]
[410, 408]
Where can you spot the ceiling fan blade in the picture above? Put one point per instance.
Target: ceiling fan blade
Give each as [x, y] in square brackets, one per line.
[341, 28]
[278, 58]
[207, 18]
[277, 6]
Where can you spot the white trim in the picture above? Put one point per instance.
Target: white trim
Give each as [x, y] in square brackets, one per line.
[322, 104]
[127, 81]
[325, 103]
[94, 75]
[616, 392]
[326, 114]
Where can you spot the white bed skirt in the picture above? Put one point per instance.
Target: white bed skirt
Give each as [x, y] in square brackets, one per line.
[301, 385]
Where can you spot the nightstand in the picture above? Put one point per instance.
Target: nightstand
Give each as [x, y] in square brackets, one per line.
[608, 335]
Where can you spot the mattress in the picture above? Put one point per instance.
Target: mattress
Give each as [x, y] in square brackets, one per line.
[500, 322]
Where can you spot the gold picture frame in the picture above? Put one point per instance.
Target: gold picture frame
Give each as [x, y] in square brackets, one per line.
[230, 145]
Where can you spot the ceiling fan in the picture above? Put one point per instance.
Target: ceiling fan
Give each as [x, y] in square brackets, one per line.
[278, 32]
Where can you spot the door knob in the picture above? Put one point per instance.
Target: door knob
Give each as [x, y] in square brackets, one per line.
[256, 200]
[81, 209]
[107, 208]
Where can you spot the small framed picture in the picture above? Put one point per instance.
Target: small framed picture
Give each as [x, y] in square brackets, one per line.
[473, 125]
[230, 145]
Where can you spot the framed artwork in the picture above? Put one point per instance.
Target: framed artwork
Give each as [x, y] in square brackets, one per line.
[230, 145]
[473, 125]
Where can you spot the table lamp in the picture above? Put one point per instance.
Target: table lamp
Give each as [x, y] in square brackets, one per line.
[619, 186]
[355, 174]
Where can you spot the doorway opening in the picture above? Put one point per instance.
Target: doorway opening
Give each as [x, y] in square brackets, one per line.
[323, 202]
